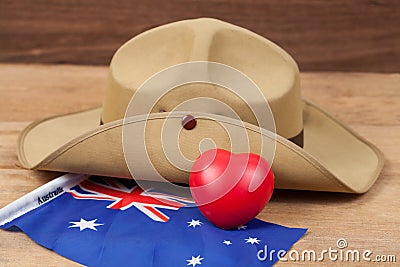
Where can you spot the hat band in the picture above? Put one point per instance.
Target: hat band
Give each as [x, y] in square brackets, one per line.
[298, 139]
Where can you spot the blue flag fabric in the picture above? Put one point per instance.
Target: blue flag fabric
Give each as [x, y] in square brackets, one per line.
[109, 222]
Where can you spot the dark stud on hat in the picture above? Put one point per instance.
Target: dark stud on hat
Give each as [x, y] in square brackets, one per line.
[189, 122]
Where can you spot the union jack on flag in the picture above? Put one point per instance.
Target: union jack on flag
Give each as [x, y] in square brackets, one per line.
[125, 195]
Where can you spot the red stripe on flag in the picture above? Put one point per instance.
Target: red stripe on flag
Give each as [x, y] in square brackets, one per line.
[157, 213]
[90, 197]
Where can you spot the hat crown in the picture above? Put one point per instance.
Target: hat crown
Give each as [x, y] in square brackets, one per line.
[270, 67]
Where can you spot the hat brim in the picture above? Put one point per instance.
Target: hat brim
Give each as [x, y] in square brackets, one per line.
[333, 158]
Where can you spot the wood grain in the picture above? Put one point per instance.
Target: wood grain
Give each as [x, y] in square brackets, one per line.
[358, 35]
[369, 103]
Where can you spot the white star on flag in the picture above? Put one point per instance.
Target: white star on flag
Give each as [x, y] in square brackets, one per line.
[194, 223]
[83, 224]
[227, 242]
[253, 240]
[243, 227]
[194, 261]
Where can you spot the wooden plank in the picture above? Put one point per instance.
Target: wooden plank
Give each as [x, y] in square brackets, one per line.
[358, 35]
[369, 103]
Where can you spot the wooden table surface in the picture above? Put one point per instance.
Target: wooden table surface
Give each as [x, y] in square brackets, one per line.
[368, 103]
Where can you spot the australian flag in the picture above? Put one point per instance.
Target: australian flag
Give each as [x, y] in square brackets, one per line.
[99, 221]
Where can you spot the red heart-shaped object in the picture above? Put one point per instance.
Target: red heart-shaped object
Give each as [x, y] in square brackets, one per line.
[230, 189]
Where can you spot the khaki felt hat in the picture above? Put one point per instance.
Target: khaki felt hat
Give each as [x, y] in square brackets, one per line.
[313, 150]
